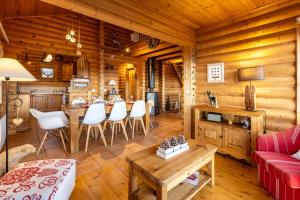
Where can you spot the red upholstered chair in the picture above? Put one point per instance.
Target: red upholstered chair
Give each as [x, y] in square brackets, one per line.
[278, 172]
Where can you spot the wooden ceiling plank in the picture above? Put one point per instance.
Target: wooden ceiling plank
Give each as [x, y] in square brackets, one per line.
[250, 14]
[145, 50]
[170, 56]
[162, 52]
[149, 27]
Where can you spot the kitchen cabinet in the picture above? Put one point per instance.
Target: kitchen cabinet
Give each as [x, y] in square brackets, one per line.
[67, 72]
[46, 102]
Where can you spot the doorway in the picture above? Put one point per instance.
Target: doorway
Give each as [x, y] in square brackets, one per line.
[131, 88]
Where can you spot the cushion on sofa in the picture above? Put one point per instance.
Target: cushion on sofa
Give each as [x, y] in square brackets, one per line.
[283, 166]
[41, 179]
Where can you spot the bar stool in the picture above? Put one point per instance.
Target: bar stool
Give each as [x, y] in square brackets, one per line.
[50, 122]
[116, 117]
[93, 118]
[137, 112]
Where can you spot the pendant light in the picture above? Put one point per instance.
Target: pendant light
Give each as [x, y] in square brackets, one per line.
[68, 35]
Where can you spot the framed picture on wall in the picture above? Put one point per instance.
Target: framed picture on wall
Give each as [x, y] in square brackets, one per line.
[47, 72]
[215, 73]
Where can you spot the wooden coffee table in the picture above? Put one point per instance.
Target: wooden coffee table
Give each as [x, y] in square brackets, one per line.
[165, 176]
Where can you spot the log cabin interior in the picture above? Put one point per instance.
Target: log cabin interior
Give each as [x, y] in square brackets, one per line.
[140, 99]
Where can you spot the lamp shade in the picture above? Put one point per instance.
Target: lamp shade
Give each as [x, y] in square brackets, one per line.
[251, 74]
[14, 70]
[112, 82]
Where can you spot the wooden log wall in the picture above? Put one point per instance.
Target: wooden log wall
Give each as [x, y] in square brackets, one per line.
[39, 35]
[267, 40]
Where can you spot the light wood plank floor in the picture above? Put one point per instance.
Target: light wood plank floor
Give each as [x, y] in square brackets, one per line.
[102, 172]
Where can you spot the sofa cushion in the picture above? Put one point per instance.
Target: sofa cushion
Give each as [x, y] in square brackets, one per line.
[282, 166]
[36, 180]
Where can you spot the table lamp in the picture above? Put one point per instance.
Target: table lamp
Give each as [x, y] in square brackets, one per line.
[11, 70]
[251, 74]
[112, 83]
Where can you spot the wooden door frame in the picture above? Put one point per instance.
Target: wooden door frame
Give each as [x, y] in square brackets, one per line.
[126, 85]
[298, 72]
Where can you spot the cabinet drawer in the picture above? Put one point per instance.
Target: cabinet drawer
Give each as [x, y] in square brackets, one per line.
[237, 141]
[210, 133]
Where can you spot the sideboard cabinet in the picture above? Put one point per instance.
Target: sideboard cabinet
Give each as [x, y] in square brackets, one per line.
[232, 138]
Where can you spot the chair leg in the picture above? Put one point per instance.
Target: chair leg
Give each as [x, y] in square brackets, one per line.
[151, 125]
[102, 134]
[65, 134]
[112, 134]
[42, 144]
[104, 126]
[62, 139]
[130, 124]
[133, 128]
[124, 130]
[126, 121]
[143, 125]
[87, 138]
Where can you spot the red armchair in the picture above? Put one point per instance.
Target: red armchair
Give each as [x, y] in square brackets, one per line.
[278, 172]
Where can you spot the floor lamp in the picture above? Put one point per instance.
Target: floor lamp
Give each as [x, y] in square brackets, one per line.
[11, 70]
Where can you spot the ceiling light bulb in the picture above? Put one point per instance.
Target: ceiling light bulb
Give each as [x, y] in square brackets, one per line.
[73, 40]
[72, 32]
[127, 49]
[68, 36]
[79, 45]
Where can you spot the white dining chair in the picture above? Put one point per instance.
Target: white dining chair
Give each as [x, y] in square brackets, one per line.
[137, 113]
[151, 105]
[93, 118]
[116, 117]
[51, 123]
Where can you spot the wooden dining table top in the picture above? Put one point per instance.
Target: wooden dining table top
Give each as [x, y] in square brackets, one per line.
[84, 107]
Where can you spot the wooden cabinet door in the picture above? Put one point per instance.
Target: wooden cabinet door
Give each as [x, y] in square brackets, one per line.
[66, 72]
[38, 102]
[210, 133]
[53, 102]
[82, 68]
[237, 141]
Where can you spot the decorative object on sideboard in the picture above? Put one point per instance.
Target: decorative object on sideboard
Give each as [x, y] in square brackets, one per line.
[215, 73]
[172, 147]
[11, 70]
[251, 74]
[245, 122]
[212, 99]
[17, 104]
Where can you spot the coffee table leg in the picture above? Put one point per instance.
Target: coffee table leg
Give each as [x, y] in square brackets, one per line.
[161, 193]
[132, 182]
[211, 170]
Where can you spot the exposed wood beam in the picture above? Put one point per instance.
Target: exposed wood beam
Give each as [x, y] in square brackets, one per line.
[141, 50]
[3, 34]
[170, 56]
[251, 14]
[173, 61]
[162, 52]
[119, 15]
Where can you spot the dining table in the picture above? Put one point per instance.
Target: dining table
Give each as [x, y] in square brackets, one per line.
[76, 111]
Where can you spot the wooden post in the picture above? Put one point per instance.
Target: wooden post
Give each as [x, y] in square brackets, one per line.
[101, 59]
[298, 72]
[188, 89]
[163, 87]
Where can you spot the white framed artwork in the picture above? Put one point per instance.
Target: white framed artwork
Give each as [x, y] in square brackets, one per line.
[215, 73]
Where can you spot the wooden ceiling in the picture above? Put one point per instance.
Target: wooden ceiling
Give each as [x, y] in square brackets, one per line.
[25, 8]
[198, 13]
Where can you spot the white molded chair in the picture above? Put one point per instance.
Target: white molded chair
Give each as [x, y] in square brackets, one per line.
[93, 118]
[118, 113]
[151, 105]
[137, 112]
[51, 122]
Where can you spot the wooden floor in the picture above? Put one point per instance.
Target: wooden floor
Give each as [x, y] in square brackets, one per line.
[102, 172]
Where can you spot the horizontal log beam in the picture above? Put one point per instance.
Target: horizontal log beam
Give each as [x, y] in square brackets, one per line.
[119, 15]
